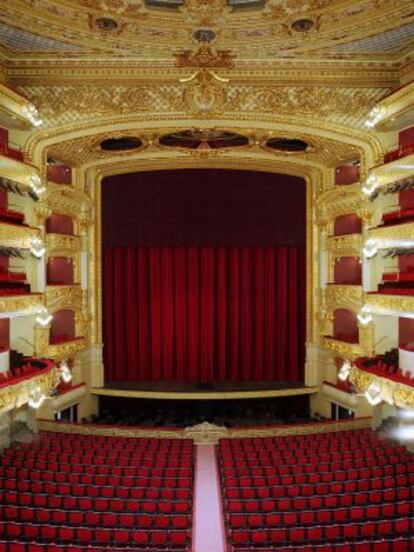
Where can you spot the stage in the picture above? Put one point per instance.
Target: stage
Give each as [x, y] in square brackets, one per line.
[222, 390]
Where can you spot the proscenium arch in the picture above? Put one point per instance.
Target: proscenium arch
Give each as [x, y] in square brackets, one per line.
[93, 178]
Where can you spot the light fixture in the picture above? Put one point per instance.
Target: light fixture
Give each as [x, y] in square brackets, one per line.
[33, 115]
[365, 315]
[65, 372]
[373, 393]
[36, 184]
[405, 414]
[404, 433]
[37, 247]
[370, 248]
[370, 185]
[43, 316]
[36, 397]
[345, 370]
[374, 116]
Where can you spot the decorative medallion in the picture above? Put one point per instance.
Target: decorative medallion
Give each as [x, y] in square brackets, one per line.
[205, 93]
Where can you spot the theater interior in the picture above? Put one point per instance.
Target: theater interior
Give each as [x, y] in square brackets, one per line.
[206, 275]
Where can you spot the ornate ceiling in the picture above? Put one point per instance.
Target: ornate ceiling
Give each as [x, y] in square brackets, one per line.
[311, 68]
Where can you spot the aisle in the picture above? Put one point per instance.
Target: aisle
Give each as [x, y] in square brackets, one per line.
[208, 532]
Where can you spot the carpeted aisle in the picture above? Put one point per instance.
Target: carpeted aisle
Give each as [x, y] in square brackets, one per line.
[208, 530]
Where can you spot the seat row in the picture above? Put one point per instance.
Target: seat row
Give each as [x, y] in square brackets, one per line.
[315, 477]
[88, 536]
[50, 436]
[400, 544]
[16, 546]
[320, 534]
[95, 504]
[93, 491]
[356, 491]
[94, 519]
[317, 502]
[321, 517]
[87, 479]
[116, 468]
[283, 468]
[101, 460]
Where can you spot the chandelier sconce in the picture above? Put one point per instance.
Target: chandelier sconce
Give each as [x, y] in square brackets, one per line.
[65, 372]
[345, 371]
[37, 248]
[36, 397]
[370, 185]
[365, 315]
[374, 393]
[31, 112]
[43, 316]
[370, 248]
[36, 185]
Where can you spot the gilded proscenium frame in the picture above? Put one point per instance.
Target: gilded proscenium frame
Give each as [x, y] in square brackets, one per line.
[95, 233]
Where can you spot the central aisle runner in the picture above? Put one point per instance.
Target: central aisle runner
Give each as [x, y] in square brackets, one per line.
[208, 530]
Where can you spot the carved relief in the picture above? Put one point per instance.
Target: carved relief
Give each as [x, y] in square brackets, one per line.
[344, 246]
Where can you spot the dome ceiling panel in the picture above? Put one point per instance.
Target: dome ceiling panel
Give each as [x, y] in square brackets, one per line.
[253, 30]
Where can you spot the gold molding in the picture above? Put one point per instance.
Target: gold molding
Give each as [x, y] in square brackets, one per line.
[66, 200]
[388, 304]
[64, 297]
[15, 395]
[62, 245]
[396, 109]
[232, 433]
[386, 173]
[342, 200]
[395, 393]
[17, 170]
[16, 235]
[61, 351]
[14, 109]
[344, 349]
[349, 245]
[393, 232]
[339, 296]
[26, 304]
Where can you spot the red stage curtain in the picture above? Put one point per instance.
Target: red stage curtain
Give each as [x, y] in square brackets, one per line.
[204, 314]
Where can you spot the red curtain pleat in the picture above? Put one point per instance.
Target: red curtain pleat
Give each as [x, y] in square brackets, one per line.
[204, 314]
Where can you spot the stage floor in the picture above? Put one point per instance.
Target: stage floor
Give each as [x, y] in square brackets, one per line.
[221, 390]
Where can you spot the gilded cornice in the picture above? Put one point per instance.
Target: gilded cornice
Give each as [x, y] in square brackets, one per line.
[342, 200]
[60, 245]
[26, 304]
[60, 351]
[388, 304]
[344, 246]
[16, 170]
[345, 106]
[395, 393]
[64, 297]
[16, 235]
[343, 297]
[16, 395]
[394, 232]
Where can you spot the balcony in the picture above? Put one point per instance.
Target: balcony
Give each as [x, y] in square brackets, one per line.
[396, 110]
[388, 173]
[23, 305]
[386, 304]
[16, 111]
[65, 349]
[64, 297]
[390, 233]
[341, 201]
[343, 296]
[62, 245]
[18, 171]
[344, 348]
[15, 391]
[17, 235]
[349, 245]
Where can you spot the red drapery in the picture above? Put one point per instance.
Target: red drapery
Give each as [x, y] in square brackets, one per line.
[204, 314]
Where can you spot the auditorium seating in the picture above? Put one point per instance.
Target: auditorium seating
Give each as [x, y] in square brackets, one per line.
[74, 492]
[344, 491]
